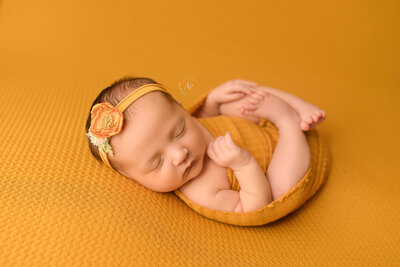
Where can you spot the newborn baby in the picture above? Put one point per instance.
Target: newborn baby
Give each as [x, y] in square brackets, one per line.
[163, 147]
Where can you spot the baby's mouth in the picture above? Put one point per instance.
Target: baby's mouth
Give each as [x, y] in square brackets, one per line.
[189, 167]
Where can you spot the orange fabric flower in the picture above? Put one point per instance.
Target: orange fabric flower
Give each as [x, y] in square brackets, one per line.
[106, 120]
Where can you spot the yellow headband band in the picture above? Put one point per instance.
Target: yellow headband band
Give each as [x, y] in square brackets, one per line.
[107, 120]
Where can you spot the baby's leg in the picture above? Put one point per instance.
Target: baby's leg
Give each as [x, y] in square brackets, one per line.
[291, 157]
[310, 115]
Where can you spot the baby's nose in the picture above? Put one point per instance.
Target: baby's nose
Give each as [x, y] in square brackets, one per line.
[179, 157]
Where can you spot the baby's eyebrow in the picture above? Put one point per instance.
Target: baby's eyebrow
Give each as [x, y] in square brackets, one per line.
[149, 160]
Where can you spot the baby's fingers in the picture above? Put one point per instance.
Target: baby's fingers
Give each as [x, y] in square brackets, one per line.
[225, 143]
[246, 91]
[229, 141]
[210, 150]
[220, 146]
[247, 83]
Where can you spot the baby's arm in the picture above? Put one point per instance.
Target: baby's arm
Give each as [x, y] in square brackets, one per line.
[254, 191]
[208, 109]
[228, 92]
[211, 108]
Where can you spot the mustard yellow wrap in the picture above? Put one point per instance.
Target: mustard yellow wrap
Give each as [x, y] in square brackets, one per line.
[260, 140]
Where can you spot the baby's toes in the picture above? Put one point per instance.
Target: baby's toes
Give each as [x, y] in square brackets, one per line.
[246, 112]
[253, 101]
[248, 107]
[315, 117]
[260, 92]
[249, 104]
[321, 117]
[304, 126]
[321, 113]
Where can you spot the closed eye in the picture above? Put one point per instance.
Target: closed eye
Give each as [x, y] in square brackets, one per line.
[181, 133]
[184, 125]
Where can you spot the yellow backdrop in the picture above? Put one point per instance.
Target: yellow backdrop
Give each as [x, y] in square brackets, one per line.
[58, 206]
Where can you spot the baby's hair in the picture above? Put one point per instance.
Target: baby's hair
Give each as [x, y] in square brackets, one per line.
[113, 94]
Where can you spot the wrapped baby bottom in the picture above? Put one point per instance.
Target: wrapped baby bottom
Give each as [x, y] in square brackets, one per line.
[260, 140]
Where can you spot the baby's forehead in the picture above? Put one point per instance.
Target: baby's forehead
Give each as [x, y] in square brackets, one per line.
[154, 118]
[145, 130]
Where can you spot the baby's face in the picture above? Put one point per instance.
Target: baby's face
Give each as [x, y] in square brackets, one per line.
[155, 148]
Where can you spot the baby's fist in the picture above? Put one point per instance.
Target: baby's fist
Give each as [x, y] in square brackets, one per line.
[226, 153]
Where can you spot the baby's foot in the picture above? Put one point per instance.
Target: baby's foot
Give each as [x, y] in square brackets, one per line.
[262, 104]
[310, 116]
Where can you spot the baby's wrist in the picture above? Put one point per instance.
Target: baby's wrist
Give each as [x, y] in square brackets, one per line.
[211, 108]
[247, 163]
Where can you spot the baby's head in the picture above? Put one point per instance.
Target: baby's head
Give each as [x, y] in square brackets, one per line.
[158, 139]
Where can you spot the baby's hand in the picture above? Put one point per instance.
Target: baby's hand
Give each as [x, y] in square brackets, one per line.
[227, 154]
[231, 91]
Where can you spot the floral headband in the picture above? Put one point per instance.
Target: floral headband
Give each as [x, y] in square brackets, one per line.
[107, 120]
